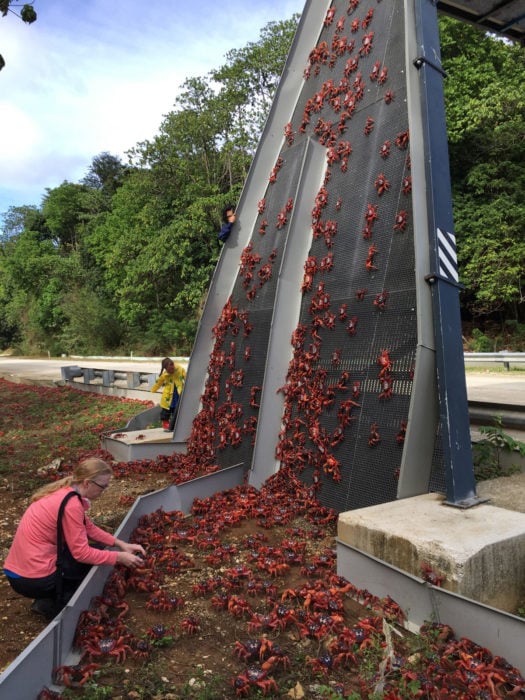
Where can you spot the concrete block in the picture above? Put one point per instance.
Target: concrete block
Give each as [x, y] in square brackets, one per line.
[479, 551]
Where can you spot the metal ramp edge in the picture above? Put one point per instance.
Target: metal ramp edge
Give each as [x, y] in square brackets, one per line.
[499, 631]
[32, 669]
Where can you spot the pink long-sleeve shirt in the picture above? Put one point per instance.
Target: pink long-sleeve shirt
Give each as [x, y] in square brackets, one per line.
[33, 553]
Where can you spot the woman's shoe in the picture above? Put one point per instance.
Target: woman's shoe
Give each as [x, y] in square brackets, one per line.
[45, 607]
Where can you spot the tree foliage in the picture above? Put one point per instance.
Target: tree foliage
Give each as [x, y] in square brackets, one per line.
[27, 14]
[486, 127]
[122, 260]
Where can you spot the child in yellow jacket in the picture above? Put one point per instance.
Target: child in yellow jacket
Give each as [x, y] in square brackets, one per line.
[171, 378]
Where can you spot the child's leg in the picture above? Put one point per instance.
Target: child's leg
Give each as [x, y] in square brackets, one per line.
[173, 418]
[165, 416]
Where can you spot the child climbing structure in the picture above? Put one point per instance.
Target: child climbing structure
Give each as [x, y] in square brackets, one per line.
[329, 342]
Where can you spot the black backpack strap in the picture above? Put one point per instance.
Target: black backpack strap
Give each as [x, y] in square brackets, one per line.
[61, 544]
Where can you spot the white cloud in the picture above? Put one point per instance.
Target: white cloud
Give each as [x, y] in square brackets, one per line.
[101, 76]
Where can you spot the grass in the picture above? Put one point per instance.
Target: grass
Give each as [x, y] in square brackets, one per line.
[39, 424]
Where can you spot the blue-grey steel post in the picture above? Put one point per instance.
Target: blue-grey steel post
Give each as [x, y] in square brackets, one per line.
[443, 278]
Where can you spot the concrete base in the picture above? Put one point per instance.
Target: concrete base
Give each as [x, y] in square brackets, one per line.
[479, 551]
[130, 445]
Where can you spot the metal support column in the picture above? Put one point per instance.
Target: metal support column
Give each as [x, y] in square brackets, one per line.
[452, 390]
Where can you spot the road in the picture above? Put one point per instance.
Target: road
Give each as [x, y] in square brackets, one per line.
[494, 387]
[40, 369]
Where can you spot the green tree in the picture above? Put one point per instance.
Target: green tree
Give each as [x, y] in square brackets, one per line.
[486, 122]
[27, 14]
[64, 212]
[105, 174]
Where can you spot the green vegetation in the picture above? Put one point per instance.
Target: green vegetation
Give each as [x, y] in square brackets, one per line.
[41, 424]
[123, 259]
[492, 453]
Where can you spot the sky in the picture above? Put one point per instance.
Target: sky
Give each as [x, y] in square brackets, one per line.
[99, 75]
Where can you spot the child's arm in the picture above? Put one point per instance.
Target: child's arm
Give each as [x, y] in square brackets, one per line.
[160, 382]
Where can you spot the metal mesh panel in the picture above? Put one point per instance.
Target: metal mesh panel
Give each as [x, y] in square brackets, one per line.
[348, 388]
[253, 298]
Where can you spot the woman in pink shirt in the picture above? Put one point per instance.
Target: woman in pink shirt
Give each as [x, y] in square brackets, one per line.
[31, 564]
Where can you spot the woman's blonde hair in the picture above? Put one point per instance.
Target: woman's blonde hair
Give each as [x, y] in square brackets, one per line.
[86, 469]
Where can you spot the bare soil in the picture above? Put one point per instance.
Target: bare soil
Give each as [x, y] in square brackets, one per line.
[19, 625]
[215, 614]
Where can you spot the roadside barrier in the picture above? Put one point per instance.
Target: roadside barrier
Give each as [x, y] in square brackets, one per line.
[505, 358]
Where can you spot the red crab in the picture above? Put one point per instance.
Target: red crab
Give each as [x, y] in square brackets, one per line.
[371, 213]
[430, 576]
[238, 606]
[384, 362]
[278, 164]
[191, 624]
[380, 300]
[248, 650]
[381, 184]
[116, 648]
[327, 263]
[329, 17]
[384, 151]
[400, 220]
[374, 438]
[367, 44]
[368, 18]
[282, 219]
[402, 139]
[74, 676]
[400, 437]
[352, 326]
[369, 125]
[375, 71]
[254, 677]
[381, 78]
[265, 272]
[386, 386]
[369, 262]
[289, 136]
[161, 600]
[321, 664]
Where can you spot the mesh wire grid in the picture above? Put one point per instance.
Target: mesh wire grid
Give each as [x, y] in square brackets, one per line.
[348, 388]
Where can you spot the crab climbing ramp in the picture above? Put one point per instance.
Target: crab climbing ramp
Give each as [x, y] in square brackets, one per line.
[318, 332]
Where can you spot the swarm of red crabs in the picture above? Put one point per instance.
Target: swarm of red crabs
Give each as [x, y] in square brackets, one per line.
[264, 562]
[278, 586]
[340, 76]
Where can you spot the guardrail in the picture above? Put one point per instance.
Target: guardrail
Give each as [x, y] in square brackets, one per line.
[109, 377]
[505, 358]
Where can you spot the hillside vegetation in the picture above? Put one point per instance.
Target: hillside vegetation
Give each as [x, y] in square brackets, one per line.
[122, 260]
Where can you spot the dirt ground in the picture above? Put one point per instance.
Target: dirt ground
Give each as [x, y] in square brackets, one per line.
[191, 634]
[179, 661]
[19, 625]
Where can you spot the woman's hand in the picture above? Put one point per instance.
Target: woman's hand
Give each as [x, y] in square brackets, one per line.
[132, 561]
[130, 547]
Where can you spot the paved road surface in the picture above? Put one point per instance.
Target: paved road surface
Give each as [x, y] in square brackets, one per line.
[51, 369]
[495, 387]
[505, 492]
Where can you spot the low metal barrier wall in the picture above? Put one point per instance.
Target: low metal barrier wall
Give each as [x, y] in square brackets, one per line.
[89, 378]
[109, 377]
[505, 358]
[32, 670]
